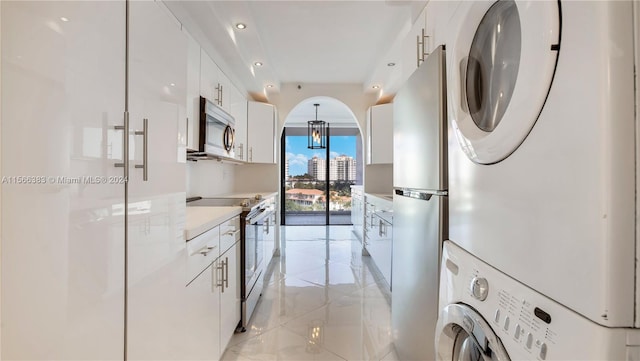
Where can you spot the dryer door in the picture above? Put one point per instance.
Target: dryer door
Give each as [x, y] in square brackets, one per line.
[500, 69]
[463, 335]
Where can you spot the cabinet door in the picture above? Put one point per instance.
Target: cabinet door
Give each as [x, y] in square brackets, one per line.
[238, 109]
[410, 49]
[208, 77]
[193, 92]
[230, 298]
[380, 134]
[202, 317]
[224, 98]
[261, 133]
[156, 207]
[63, 86]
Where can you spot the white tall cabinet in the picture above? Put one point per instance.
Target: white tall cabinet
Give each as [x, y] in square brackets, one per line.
[63, 82]
[68, 226]
[157, 93]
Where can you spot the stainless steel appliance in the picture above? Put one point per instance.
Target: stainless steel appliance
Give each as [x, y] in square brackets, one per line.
[217, 130]
[419, 207]
[255, 226]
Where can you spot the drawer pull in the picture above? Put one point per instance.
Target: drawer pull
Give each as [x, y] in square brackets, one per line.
[205, 251]
[232, 233]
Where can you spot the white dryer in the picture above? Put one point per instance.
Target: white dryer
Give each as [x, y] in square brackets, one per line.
[486, 315]
[541, 148]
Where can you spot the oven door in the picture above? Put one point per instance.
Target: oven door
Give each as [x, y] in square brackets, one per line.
[254, 250]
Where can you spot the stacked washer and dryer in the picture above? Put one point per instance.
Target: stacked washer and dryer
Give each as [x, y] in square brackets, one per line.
[541, 257]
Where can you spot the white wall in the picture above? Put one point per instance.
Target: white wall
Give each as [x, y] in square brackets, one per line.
[379, 179]
[208, 178]
[259, 178]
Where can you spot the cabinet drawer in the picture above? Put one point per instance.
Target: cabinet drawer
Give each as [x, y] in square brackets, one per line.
[229, 233]
[202, 251]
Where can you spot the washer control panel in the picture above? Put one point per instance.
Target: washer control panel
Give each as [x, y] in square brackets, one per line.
[527, 325]
[512, 314]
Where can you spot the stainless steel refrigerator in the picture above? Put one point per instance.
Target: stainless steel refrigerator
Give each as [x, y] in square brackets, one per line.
[419, 206]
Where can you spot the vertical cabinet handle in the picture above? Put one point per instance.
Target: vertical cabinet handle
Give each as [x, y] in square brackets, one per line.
[125, 145]
[226, 272]
[221, 94]
[251, 154]
[221, 268]
[421, 46]
[380, 228]
[145, 149]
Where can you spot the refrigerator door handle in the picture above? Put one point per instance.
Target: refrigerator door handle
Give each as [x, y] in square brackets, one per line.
[421, 194]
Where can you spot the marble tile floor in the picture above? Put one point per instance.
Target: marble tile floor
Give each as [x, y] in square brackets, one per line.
[322, 301]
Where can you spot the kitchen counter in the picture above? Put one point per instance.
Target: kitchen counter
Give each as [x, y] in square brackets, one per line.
[266, 194]
[201, 219]
[384, 197]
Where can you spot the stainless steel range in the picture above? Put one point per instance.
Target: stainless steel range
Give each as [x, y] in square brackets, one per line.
[253, 220]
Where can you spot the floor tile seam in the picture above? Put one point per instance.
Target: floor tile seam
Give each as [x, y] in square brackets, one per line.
[322, 346]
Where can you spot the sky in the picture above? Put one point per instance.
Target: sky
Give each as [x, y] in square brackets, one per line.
[298, 153]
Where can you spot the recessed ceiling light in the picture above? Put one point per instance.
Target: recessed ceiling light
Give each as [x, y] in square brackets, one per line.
[391, 64]
[173, 84]
[64, 19]
[270, 86]
[376, 87]
[257, 63]
[241, 26]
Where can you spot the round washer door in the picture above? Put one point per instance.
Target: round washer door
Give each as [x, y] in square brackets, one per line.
[500, 67]
[463, 335]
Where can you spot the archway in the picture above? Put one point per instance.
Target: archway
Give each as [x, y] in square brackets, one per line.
[316, 183]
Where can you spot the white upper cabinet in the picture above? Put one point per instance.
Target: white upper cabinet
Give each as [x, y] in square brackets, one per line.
[238, 109]
[214, 84]
[380, 134]
[63, 86]
[208, 77]
[261, 137]
[193, 92]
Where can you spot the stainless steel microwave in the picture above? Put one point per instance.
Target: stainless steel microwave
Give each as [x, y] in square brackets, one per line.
[217, 130]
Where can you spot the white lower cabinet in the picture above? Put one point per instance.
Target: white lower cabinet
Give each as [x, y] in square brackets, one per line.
[202, 314]
[212, 302]
[229, 268]
[378, 234]
[357, 211]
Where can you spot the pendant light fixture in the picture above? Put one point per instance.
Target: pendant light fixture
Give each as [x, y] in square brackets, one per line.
[317, 132]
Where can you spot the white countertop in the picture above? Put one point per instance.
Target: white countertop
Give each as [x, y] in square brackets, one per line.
[384, 197]
[202, 219]
[265, 194]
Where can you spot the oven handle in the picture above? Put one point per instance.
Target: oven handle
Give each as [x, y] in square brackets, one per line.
[257, 217]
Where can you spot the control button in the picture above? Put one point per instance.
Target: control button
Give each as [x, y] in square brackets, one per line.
[529, 340]
[506, 323]
[497, 318]
[517, 334]
[479, 288]
[543, 351]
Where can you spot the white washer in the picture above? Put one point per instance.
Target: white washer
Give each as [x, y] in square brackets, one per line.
[486, 315]
[541, 148]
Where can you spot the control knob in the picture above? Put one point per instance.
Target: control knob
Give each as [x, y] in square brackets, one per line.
[479, 288]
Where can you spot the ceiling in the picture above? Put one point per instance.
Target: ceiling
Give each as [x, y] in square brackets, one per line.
[300, 41]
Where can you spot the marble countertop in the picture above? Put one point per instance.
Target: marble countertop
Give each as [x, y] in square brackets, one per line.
[202, 219]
